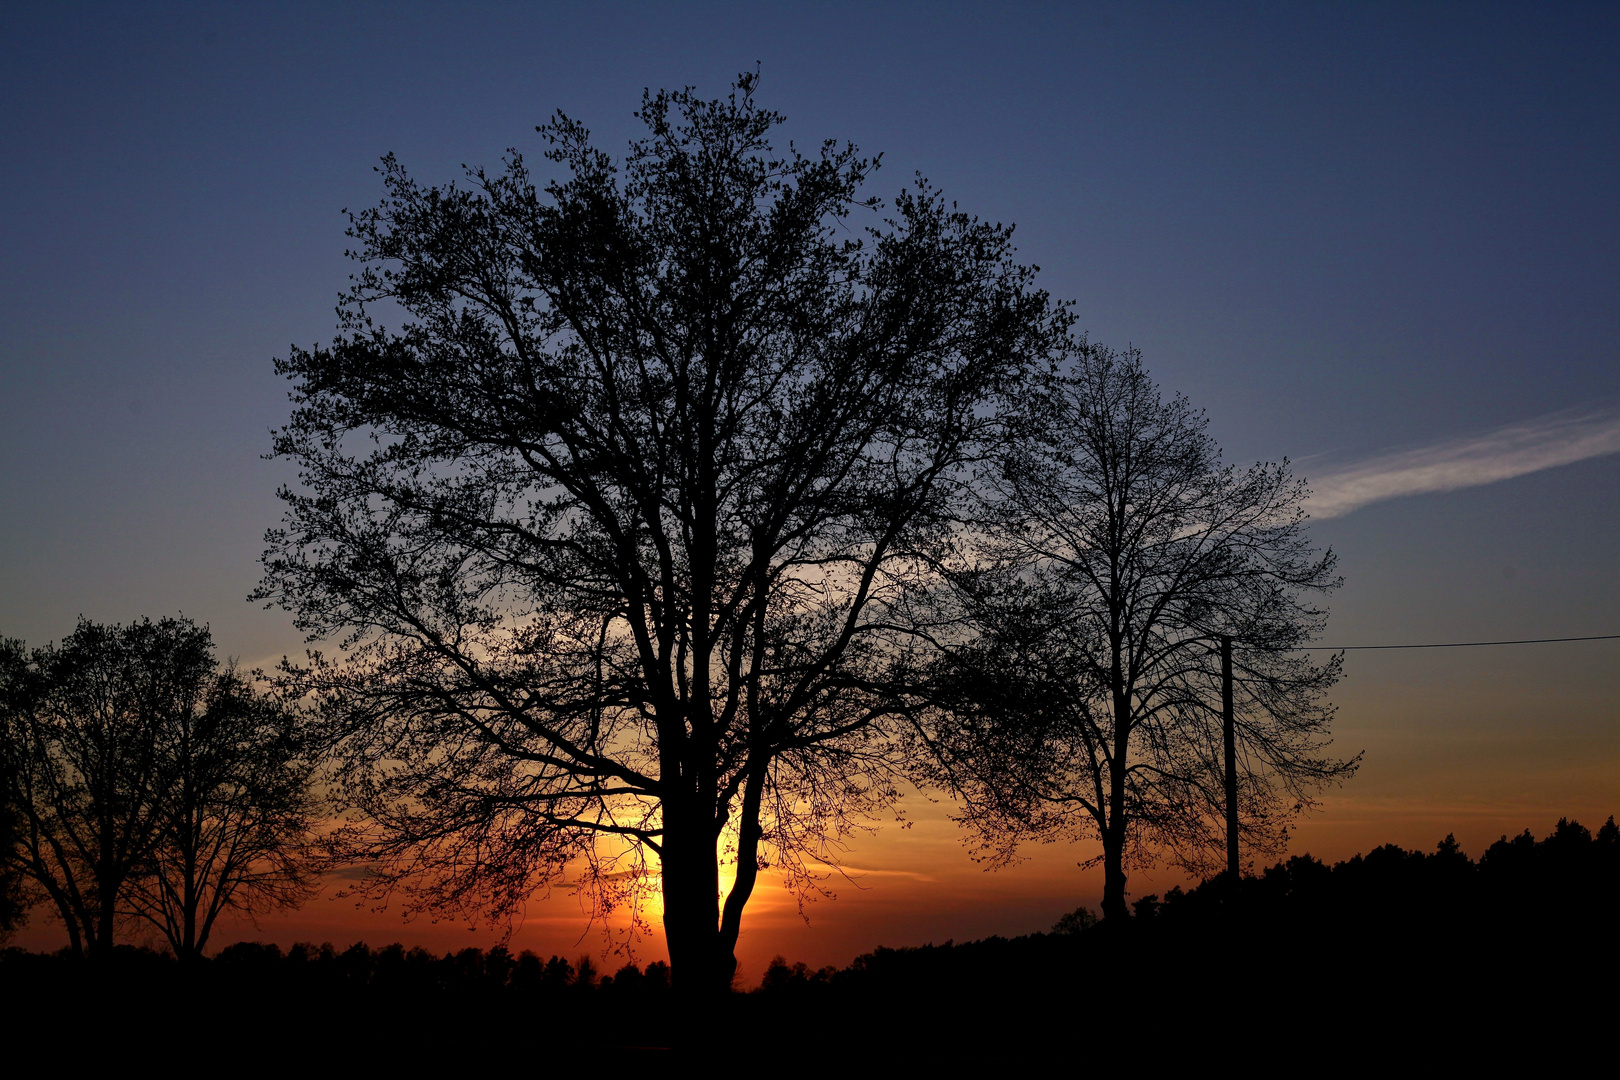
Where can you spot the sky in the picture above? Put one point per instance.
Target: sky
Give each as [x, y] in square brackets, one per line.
[1382, 241]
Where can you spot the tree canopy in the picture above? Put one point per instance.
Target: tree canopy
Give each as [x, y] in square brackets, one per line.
[613, 526]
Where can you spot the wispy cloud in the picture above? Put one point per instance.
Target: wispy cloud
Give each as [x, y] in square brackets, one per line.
[1530, 446]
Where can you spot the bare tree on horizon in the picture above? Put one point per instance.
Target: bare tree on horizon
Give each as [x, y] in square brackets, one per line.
[146, 783]
[84, 728]
[1076, 675]
[238, 813]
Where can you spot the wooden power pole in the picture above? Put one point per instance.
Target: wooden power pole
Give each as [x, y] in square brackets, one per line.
[1230, 734]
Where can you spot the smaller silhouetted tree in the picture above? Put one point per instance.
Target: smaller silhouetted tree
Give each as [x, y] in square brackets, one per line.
[14, 897]
[1077, 921]
[147, 783]
[84, 729]
[235, 823]
[1077, 689]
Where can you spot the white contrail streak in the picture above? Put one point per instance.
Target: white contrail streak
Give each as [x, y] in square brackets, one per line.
[1542, 443]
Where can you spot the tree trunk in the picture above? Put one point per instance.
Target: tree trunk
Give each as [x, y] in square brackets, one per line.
[1113, 901]
[748, 838]
[700, 933]
[692, 932]
[1234, 868]
[700, 965]
[1113, 835]
[108, 887]
[70, 919]
[190, 950]
[102, 944]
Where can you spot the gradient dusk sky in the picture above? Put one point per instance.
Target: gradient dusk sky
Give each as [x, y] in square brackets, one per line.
[1382, 241]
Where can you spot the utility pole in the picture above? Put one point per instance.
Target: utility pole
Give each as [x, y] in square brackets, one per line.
[1230, 734]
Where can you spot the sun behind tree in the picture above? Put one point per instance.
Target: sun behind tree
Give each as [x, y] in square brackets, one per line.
[613, 526]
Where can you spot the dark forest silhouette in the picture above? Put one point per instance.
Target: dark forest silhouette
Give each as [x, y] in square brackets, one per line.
[1403, 938]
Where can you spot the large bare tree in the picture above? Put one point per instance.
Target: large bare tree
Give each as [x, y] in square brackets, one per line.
[612, 525]
[1076, 675]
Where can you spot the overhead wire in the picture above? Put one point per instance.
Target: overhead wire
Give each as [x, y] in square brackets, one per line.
[1459, 644]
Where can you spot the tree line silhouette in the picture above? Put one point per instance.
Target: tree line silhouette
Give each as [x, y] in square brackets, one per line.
[1393, 929]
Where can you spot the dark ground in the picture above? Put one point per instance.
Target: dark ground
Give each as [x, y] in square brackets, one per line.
[1395, 959]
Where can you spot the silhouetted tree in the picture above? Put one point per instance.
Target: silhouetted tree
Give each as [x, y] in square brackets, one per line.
[233, 834]
[1079, 679]
[1077, 921]
[558, 974]
[148, 783]
[14, 690]
[779, 978]
[611, 528]
[85, 727]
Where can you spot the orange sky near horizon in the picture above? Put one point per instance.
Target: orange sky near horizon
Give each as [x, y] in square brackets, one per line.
[1480, 742]
[1378, 240]
[905, 887]
[1536, 737]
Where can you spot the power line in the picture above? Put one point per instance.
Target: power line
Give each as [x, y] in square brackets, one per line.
[1460, 644]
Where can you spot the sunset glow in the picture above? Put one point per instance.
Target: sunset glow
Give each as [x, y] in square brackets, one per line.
[1376, 243]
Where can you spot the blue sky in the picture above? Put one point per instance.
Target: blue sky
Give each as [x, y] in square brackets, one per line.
[1354, 233]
